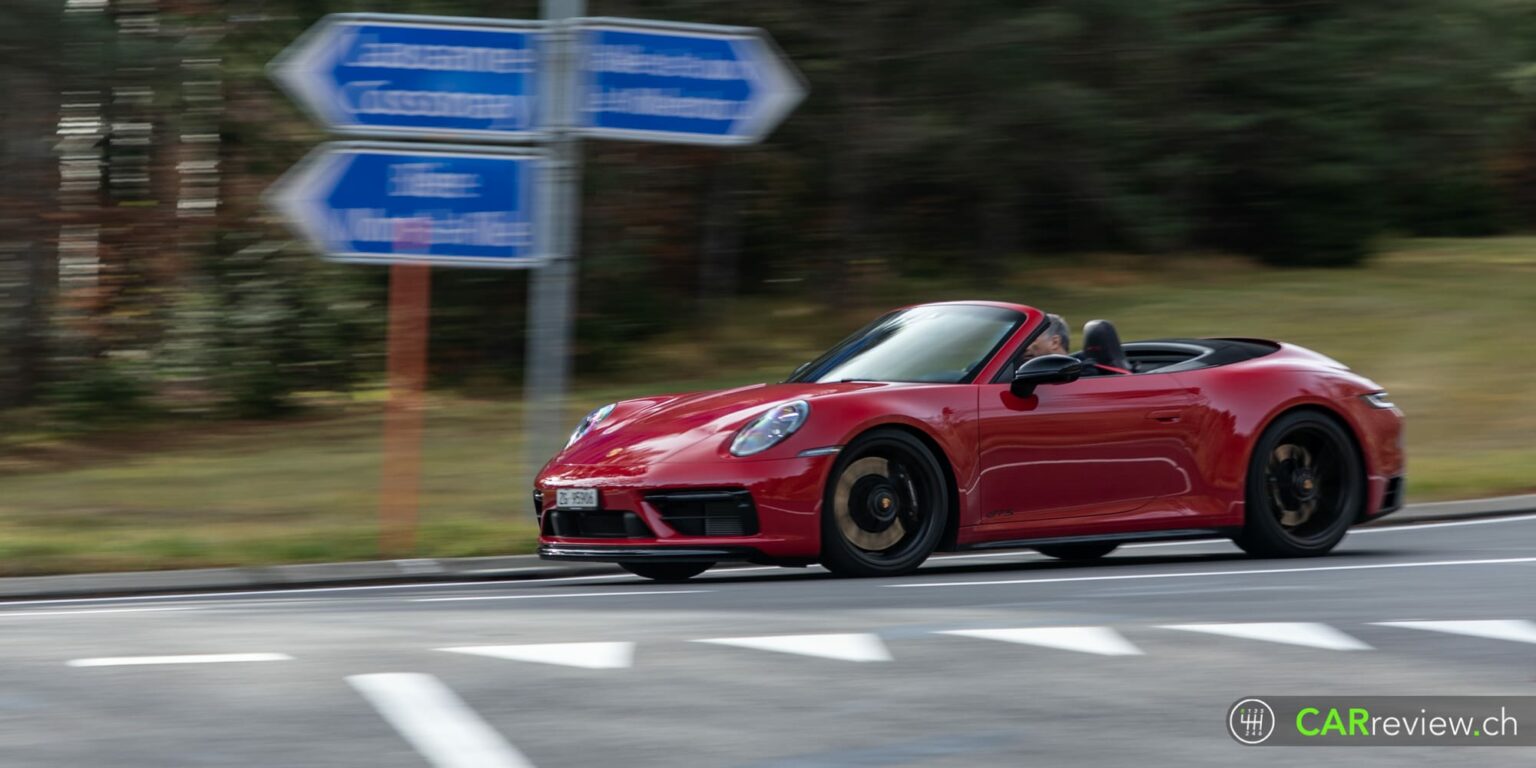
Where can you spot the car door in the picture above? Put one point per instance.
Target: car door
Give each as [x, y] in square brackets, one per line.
[1100, 445]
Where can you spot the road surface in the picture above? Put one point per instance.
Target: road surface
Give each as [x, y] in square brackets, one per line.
[995, 659]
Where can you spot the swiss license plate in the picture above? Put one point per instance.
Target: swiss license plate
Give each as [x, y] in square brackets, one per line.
[576, 498]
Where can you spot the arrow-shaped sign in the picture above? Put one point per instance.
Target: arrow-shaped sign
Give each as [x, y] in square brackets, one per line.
[681, 83]
[383, 75]
[418, 204]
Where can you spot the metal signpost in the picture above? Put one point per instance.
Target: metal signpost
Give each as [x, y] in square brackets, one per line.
[475, 81]
[552, 289]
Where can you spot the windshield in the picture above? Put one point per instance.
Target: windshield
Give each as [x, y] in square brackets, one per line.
[943, 344]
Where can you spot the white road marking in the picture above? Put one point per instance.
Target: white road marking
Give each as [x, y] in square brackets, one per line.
[1209, 574]
[1352, 531]
[209, 658]
[1100, 640]
[503, 571]
[842, 647]
[1513, 630]
[203, 596]
[437, 722]
[642, 580]
[1450, 524]
[1185, 543]
[94, 611]
[597, 577]
[1305, 633]
[1356, 531]
[584, 655]
[973, 555]
[628, 593]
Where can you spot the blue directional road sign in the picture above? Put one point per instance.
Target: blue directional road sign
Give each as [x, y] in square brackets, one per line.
[678, 83]
[419, 204]
[405, 76]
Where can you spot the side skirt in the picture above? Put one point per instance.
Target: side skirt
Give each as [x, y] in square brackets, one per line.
[1182, 534]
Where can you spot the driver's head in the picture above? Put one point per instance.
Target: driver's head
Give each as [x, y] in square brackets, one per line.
[1053, 340]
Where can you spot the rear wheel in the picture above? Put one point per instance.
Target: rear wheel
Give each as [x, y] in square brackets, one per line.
[1306, 486]
[666, 571]
[885, 507]
[1084, 551]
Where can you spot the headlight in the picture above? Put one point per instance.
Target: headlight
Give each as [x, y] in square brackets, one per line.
[767, 430]
[1378, 400]
[589, 422]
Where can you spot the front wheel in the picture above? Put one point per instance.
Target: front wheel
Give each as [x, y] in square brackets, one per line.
[885, 507]
[666, 571]
[1306, 486]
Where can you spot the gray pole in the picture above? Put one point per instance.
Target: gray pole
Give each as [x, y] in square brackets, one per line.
[551, 288]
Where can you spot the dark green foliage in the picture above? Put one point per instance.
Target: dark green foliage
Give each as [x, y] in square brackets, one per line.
[265, 322]
[938, 139]
[99, 392]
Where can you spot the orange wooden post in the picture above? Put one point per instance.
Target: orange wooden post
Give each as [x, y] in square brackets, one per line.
[410, 304]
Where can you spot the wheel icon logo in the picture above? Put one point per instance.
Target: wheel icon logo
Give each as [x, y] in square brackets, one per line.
[1251, 721]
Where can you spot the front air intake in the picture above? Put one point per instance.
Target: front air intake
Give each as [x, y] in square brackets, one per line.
[1392, 498]
[595, 524]
[707, 513]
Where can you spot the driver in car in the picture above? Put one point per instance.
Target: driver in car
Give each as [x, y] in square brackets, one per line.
[1055, 340]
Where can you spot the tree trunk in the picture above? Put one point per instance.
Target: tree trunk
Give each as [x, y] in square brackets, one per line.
[26, 253]
[721, 249]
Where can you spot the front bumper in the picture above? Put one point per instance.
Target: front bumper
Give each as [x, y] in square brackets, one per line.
[1390, 492]
[785, 495]
[629, 553]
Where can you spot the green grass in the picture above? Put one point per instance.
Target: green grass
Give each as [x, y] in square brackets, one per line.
[1440, 323]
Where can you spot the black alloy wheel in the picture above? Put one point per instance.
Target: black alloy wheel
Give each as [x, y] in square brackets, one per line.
[1306, 486]
[885, 507]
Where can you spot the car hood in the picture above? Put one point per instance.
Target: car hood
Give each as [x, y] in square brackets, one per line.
[687, 427]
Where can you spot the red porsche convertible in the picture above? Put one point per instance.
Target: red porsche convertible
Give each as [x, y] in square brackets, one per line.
[933, 428]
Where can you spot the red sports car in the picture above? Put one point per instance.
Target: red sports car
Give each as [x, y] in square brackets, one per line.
[935, 428]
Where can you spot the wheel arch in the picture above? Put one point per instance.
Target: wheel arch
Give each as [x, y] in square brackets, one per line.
[947, 540]
[1328, 412]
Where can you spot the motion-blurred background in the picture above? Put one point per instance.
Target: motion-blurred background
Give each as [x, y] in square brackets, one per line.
[183, 385]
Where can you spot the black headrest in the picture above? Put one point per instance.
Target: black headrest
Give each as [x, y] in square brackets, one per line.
[1101, 344]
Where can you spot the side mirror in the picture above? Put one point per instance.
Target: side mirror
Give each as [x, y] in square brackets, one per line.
[1045, 369]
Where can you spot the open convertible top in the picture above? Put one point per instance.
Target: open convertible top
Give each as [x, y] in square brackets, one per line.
[1173, 355]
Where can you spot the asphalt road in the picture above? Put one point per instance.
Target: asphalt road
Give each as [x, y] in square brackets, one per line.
[1001, 659]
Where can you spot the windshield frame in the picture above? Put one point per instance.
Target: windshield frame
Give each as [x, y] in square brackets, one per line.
[810, 372]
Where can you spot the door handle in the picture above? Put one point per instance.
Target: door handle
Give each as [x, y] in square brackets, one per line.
[1166, 417]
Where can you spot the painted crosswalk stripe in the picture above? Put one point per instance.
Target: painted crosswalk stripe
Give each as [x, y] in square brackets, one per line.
[209, 658]
[1513, 630]
[1100, 640]
[437, 722]
[843, 647]
[1304, 633]
[584, 655]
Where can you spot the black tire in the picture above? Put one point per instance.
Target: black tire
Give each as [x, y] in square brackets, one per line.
[885, 506]
[1085, 551]
[1306, 486]
[667, 571]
